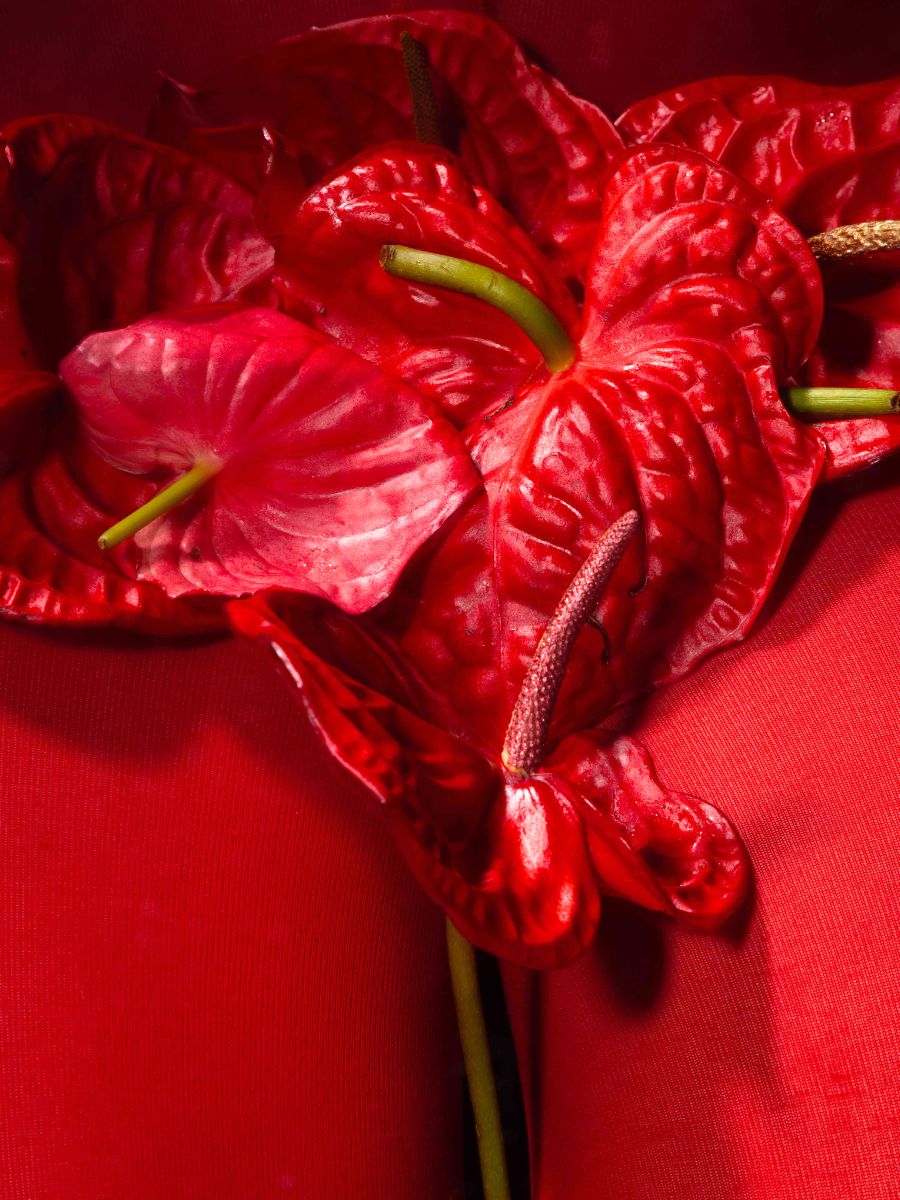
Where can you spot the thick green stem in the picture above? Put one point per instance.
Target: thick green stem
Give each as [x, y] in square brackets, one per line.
[161, 503]
[477, 1056]
[830, 404]
[460, 275]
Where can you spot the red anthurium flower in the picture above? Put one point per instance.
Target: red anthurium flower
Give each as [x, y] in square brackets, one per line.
[331, 93]
[700, 296]
[828, 157]
[319, 472]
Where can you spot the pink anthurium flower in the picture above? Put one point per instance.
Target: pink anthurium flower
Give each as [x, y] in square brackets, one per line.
[312, 470]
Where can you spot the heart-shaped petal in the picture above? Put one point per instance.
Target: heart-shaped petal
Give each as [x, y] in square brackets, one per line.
[110, 228]
[672, 408]
[331, 474]
[471, 357]
[827, 156]
[334, 92]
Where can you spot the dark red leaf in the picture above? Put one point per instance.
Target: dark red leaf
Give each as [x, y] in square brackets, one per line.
[334, 92]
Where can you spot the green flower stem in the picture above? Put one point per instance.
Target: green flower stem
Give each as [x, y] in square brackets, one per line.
[460, 275]
[477, 1056]
[161, 503]
[827, 404]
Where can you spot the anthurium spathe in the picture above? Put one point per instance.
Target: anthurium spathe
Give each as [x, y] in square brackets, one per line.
[470, 357]
[828, 157]
[110, 227]
[315, 471]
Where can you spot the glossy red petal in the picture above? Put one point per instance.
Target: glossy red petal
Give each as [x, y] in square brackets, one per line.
[773, 131]
[685, 247]
[110, 228]
[468, 355]
[334, 92]
[508, 861]
[657, 848]
[828, 156]
[332, 474]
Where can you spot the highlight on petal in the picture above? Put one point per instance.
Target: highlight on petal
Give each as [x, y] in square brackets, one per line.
[685, 246]
[466, 354]
[678, 416]
[334, 92]
[827, 156]
[110, 227]
[331, 473]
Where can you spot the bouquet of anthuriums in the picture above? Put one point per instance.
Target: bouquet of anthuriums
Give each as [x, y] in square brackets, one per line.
[487, 413]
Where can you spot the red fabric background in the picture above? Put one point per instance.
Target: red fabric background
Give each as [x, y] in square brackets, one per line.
[217, 981]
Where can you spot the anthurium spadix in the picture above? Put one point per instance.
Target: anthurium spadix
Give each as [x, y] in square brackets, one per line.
[293, 463]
